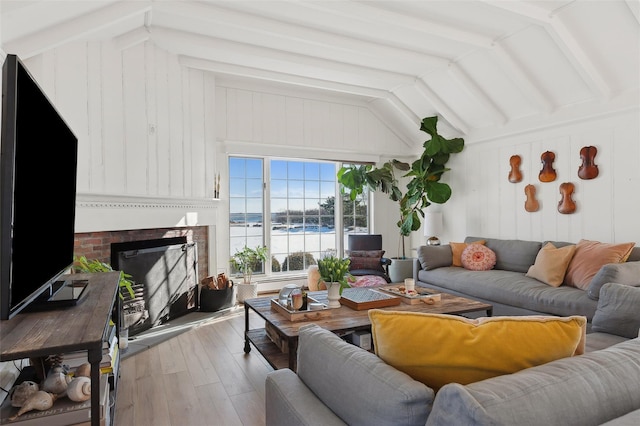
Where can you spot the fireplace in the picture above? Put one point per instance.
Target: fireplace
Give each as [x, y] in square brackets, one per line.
[166, 264]
[165, 271]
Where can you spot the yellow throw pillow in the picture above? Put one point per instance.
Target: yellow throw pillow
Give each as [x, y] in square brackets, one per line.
[437, 349]
[590, 256]
[551, 264]
[458, 248]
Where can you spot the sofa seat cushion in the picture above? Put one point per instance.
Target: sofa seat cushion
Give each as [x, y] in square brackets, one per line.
[589, 389]
[513, 289]
[437, 349]
[596, 341]
[357, 385]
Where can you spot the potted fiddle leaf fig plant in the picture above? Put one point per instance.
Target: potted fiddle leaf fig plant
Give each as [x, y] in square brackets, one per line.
[422, 189]
[245, 261]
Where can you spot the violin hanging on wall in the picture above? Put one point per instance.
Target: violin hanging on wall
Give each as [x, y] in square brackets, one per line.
[515, 175]
[588, 168]
[547, 173]
[566, 204]
[531, 204]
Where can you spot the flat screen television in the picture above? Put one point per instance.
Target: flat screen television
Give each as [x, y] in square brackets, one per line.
[38, 167]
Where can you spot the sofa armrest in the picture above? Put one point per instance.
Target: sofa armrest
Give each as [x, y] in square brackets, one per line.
[601, 385]
[618, 310]
[622, 273]
[357, 385]
[289, 402]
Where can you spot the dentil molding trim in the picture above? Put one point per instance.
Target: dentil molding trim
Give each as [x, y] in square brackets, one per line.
[103, 201]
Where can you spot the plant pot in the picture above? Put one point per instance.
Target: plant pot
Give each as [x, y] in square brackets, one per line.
[212, 300]
[247, 291]
[400, 269]
[333, 294]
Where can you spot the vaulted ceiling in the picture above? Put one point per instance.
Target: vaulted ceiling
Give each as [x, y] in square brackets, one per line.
[476, 63]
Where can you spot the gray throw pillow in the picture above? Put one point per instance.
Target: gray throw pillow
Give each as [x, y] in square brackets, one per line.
[617, 311]
[621, 273]
[432, 257]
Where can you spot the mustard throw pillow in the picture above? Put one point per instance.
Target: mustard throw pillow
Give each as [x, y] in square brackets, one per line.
[551, 264]
[437, 349]
[590, 256]
[457, 249]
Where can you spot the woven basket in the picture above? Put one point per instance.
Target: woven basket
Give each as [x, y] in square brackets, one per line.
[247, 291]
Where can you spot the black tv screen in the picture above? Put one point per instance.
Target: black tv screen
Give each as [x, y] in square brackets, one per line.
[38, 170]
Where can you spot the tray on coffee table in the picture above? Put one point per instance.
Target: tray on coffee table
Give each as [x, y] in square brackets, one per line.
[360, 299]
[423, 295]
[301, 315]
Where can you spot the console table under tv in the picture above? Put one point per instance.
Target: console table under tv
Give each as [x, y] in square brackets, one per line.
[81, 327]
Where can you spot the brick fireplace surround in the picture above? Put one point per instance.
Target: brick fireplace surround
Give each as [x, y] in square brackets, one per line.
[97, 245]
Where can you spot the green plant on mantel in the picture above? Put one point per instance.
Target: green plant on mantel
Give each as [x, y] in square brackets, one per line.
[82, 264]
[424, 186]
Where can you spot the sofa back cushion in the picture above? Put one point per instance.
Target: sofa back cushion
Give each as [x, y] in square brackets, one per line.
[618, 310]
[587, 390]
[437, 349]
[432, 257]
[511, 255]
[357, 385]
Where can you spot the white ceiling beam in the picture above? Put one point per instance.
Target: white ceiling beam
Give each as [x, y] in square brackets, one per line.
[371, 14]
[77, 28]
[278, 77]
[563, 38]
[297, 38]
[227, 51]
[443, 109]
[474, 91]
[132, 38]
[523, 79]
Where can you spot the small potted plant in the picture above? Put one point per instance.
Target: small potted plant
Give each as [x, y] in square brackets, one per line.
[335, 274]
[245, 261]
[91, 266]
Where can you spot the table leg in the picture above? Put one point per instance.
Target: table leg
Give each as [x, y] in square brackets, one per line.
[247, 346]
[292, 344]
[490, 312]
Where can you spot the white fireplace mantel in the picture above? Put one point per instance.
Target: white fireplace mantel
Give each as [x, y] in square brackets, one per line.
[103, 212]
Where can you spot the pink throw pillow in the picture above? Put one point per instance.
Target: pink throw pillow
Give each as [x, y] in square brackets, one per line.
[477, 257]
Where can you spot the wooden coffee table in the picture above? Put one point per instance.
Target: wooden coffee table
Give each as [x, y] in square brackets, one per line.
[342, 321]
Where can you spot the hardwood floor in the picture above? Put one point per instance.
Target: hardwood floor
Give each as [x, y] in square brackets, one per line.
[201, 377]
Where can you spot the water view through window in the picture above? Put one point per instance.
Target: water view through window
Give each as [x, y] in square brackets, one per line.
[299, 219]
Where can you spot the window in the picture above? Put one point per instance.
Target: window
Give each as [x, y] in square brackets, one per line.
[298, 221]
[246, 199]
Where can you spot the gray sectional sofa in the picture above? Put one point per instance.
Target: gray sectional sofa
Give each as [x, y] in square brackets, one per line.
[338, 383]
[508, 288]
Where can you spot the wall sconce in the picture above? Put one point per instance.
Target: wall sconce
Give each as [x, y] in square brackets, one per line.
[433, 227]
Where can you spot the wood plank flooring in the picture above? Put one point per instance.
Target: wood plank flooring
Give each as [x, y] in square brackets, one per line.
[201, 377]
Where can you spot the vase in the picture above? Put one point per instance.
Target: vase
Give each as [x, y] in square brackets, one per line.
[333, 294]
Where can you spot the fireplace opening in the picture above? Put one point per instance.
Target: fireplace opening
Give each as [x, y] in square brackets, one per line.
[165, 272]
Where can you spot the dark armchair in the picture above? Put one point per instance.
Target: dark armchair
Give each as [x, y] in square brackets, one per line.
[366, 255]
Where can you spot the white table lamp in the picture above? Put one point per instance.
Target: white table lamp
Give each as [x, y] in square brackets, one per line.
[433, 227]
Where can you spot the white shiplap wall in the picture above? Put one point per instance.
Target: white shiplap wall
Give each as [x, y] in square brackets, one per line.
[485, 203]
